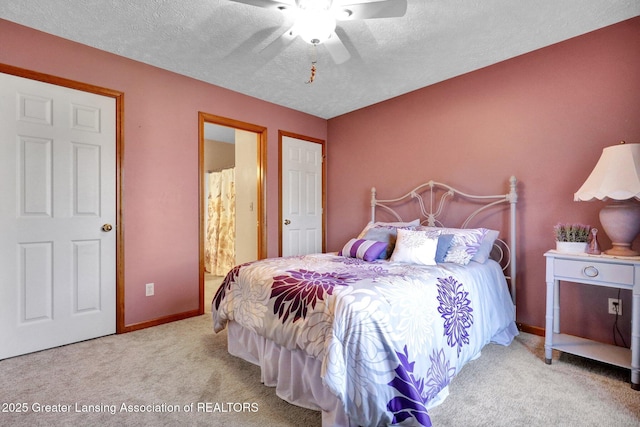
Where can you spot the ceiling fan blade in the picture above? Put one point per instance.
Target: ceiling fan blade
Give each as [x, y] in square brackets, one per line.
[376, 9]
[251, 45]
[337, 49]
[268, 4]
[274, 48]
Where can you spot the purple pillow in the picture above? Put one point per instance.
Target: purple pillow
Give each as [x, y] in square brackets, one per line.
[368, 250]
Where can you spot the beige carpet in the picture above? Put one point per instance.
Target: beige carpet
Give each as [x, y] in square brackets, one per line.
[512, 386]
[183, 374]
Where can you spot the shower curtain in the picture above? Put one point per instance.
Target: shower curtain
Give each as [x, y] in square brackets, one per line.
[220, 236]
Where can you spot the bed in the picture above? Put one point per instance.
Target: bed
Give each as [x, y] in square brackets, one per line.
[374, 334]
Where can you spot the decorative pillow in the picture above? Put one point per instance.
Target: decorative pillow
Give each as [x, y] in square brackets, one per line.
[444, 241]
[385, 232]
[416, 247]
[484, 251]
[467, 244]
[458, 255]
[367, 250]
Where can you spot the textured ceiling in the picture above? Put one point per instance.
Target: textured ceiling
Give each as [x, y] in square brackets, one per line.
[235, 45]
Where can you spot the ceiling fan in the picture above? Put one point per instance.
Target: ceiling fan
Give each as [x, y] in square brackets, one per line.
[315, 20]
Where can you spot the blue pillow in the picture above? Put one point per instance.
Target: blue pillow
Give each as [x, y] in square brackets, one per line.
[444, 241]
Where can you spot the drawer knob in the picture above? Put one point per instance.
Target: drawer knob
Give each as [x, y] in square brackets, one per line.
[590, 271]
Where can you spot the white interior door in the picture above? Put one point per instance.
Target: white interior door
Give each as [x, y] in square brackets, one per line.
[301, 196]
[57, 216]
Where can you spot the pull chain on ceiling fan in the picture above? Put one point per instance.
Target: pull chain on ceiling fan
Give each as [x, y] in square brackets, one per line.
[314, 60]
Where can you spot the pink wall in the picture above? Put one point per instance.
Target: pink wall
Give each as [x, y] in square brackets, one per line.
[544, 117]
[160, 159]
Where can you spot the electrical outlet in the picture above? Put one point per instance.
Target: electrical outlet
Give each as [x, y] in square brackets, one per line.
[615, 306]
[149, 289]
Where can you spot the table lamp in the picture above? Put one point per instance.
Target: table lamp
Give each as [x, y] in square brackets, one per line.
[617, 177]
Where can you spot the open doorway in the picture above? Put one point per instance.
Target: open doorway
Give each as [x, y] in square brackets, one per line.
[231, 162]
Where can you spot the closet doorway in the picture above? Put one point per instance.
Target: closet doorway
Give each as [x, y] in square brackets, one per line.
[231, 162]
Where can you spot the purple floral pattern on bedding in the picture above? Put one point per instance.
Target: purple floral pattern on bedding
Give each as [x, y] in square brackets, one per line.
[390, 336]
[412, 403]
[230, 278]
[440, 374]
[351, 261]
[455, 309]
[299, 289]
[417, 392]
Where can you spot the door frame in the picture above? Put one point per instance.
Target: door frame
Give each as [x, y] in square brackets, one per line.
[281, 134]
[119, 101]
[261, 131]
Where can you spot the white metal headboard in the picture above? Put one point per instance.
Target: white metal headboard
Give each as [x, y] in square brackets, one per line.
[506, 252]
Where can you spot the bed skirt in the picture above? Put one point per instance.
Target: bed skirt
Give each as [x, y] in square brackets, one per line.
[294, 374]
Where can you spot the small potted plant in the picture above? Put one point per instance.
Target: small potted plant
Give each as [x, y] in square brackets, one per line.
[572, 238]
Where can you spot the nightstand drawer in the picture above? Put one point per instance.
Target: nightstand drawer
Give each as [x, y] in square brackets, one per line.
[590, 270]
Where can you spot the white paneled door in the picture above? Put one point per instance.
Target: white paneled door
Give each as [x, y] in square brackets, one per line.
[301, 196]
[57, 215]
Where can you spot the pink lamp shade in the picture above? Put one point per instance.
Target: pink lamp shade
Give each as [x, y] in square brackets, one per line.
[617, 177]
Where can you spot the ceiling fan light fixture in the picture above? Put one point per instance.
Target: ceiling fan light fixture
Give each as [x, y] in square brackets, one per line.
[315, 26]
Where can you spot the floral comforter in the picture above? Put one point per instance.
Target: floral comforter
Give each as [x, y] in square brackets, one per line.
[390, 336]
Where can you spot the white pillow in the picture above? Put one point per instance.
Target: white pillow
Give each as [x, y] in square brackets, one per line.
[416, 247]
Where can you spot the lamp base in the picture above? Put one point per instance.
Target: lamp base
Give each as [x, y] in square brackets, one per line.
[620, 250]
[621, 222]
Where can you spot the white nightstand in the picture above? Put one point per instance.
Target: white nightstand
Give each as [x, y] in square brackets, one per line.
[596, 270]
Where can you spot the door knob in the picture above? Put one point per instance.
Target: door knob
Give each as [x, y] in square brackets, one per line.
[287, 222]
[107, 227]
